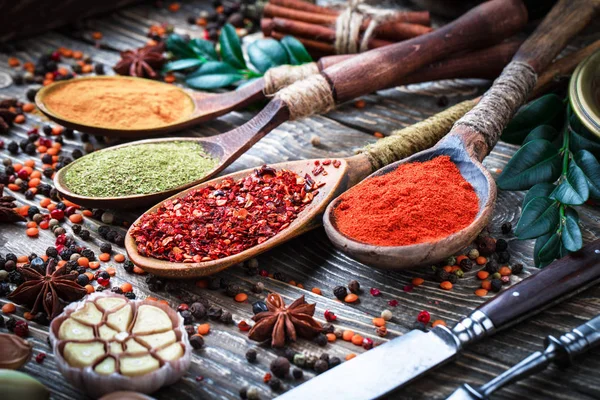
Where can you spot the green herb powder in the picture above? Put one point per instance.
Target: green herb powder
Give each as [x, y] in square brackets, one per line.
[139, 169]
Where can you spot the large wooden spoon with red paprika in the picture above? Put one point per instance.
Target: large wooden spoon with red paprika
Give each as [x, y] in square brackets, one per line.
[473, 137]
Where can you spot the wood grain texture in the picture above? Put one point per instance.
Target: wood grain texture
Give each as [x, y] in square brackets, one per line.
[310, 259]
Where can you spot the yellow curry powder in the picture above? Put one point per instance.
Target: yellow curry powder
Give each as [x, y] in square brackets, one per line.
[119, 103]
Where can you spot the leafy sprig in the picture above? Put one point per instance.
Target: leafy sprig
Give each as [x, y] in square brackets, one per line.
[558, 164]
[206, 69]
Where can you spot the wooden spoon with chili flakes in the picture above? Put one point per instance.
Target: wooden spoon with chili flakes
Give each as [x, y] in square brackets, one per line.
[472, 138]
[348, 79]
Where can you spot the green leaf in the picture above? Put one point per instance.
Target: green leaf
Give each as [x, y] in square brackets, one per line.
[547, 109]
[539, 217]
[591, 169]
[578, 142]
[550, 250]
[295, 50]
[547, 132]
[246, 83]
[537, 161]
[573, 190]
[540, 190]
[231, 49]
[571, 233]
[182, 64]
[539, 243]
[213, 75]
[267, 53]
[179, 47]
[204, 48]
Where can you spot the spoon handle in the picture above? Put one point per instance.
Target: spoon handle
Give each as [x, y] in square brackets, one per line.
[481, 127]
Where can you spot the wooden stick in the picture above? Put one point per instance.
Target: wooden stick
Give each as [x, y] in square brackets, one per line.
[560, 70]
[414, 17]
[311, 45]
[308, 31]
[393, 31]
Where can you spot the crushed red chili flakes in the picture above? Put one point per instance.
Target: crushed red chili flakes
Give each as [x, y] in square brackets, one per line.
[224, 219]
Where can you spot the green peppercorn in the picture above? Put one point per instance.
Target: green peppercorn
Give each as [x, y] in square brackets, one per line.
[496, 275]
[459, 273]
[451, 260]
[473, 254]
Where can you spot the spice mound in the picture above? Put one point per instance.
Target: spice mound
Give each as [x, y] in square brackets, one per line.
[138, 169]
[224, 219]
[108, 343]
[418, 202]
[119, 103]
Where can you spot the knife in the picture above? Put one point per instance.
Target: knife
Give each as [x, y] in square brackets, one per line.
[400, 361]
[560, 351]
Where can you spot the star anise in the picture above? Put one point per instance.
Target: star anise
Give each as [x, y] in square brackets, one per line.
[142, 62]
[282, 322]
[7, 114]
[7, 208]
[50, 292]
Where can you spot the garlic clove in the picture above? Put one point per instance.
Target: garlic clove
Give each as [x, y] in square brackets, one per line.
[110, 303]
[138, 365]
[120, 320]
[83, 354]
[132, 346]
[106, 367]
[171, 352]
[73, 330]
[106, 332]
[116, 348]
[88, 314]
[151, 319]
[158, 339]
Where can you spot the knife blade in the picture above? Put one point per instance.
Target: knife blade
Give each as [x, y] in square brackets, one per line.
[560, 351]
[401, 360]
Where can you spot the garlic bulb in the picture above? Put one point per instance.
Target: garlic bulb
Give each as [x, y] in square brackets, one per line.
[108, 343]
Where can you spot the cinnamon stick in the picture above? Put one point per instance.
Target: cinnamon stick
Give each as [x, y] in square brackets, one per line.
[312, 46]
[414, 17]
[560, 70]
[393, 31]
[308, 31]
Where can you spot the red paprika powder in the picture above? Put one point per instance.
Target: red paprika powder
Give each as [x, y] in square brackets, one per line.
[418, 202]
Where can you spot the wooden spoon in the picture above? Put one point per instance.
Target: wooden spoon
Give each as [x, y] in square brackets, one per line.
[483, 64]
[385, 67]
[467, 146]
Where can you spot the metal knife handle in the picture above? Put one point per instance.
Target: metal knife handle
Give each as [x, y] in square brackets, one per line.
[561, 279]
[579, 340]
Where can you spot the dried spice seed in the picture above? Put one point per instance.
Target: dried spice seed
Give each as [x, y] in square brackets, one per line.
[340, 292]
[251, 355]
[223, 219]
[354, 287]
[280, 367]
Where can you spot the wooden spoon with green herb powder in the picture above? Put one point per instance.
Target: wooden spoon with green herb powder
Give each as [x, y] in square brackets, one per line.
[134, 174]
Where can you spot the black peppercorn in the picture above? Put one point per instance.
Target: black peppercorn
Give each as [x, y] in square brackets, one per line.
[11, 324]
[106, 248]
[88, 253]
[340, 292]
[259, 306]
[275, 384]
[47, 129]
[128, 266]
[48, 172]
[226, 317]
[77, 153]
[441, 275]
[68, 133]
[466, 264]
[29, 194]
[297, 373]
[506, 228]
[66, 254]
[289, 354]
[244, 393]
[119, 240]
[215, 312]
[83, 280]
[51, 252]
[103, 231]
[116, 290]
[84, 234]
[187, 317]
[501, 245]
[4, 289]
[334, 362]
[11, 257]
[232, 290]
[197, 341]
[492, 266]
[130, 295]
[279, 276]
[321, 340]
[251, 355]
[503, 257]
[13, 147]
[214, 283]
[280, 367]
[324, 357]
[321, 366]
[198, 310]
[517, 269]
[190, 330]
[99, 69]
[32, 211]
[110, 236]
[496, 285]
[354, 286]
[328, 328]
[31, 94]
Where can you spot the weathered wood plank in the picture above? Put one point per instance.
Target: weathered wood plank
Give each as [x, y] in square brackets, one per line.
[310, 259]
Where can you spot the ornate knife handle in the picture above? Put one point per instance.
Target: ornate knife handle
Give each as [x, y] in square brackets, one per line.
[560, 351]
[561, 279]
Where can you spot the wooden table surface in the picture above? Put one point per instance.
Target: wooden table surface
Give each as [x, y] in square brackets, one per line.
[311, 259]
